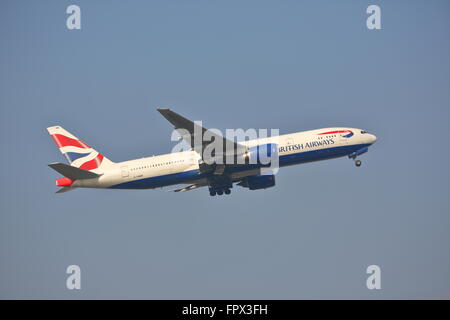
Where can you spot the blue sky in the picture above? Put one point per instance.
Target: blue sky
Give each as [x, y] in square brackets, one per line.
[292, 65]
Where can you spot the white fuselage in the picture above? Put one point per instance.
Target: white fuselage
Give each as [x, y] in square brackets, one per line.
[183, 167]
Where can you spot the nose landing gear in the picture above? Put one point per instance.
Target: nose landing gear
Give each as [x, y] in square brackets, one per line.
[359, 152]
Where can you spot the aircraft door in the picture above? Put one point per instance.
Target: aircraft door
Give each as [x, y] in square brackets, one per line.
[125, 172]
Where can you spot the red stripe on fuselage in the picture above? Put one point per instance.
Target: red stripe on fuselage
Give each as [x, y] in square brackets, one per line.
[92, 164]
[63, 141]
[332, 132]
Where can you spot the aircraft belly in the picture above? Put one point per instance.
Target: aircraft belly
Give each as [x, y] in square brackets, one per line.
[319, 154]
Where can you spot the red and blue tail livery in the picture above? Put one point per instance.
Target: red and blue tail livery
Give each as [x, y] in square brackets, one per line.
[78, 153]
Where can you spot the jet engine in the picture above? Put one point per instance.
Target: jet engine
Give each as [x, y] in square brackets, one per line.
[258, 181]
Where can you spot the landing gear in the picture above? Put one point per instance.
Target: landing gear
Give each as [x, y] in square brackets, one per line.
[357, 153]
[219, 184]
[213, 192]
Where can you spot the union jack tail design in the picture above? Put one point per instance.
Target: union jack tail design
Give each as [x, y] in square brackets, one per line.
[78, 153]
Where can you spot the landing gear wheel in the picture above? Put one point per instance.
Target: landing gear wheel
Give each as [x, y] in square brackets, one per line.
[212, 193]
[358, 163]
[227, 191]
[220, 192]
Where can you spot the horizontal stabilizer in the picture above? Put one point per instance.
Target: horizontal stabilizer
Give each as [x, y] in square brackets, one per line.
[65, 189]
[73, 173]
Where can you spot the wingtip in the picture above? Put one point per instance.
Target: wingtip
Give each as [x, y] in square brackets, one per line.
[161, 110]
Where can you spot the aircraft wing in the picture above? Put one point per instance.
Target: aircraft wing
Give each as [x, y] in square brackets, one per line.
[64, 189]
[189, 187]
[189, 129]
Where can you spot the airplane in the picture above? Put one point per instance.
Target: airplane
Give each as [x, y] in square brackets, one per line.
[88, 168]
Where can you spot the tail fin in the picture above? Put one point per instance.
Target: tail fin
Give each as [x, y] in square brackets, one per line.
[77, 153]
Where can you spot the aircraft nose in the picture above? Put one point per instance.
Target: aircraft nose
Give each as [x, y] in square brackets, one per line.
[373, 138]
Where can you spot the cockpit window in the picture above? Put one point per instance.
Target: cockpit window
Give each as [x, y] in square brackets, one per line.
[363, 132]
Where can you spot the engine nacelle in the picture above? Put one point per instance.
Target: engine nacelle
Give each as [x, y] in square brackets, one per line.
[263, 154]
[258, 182]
